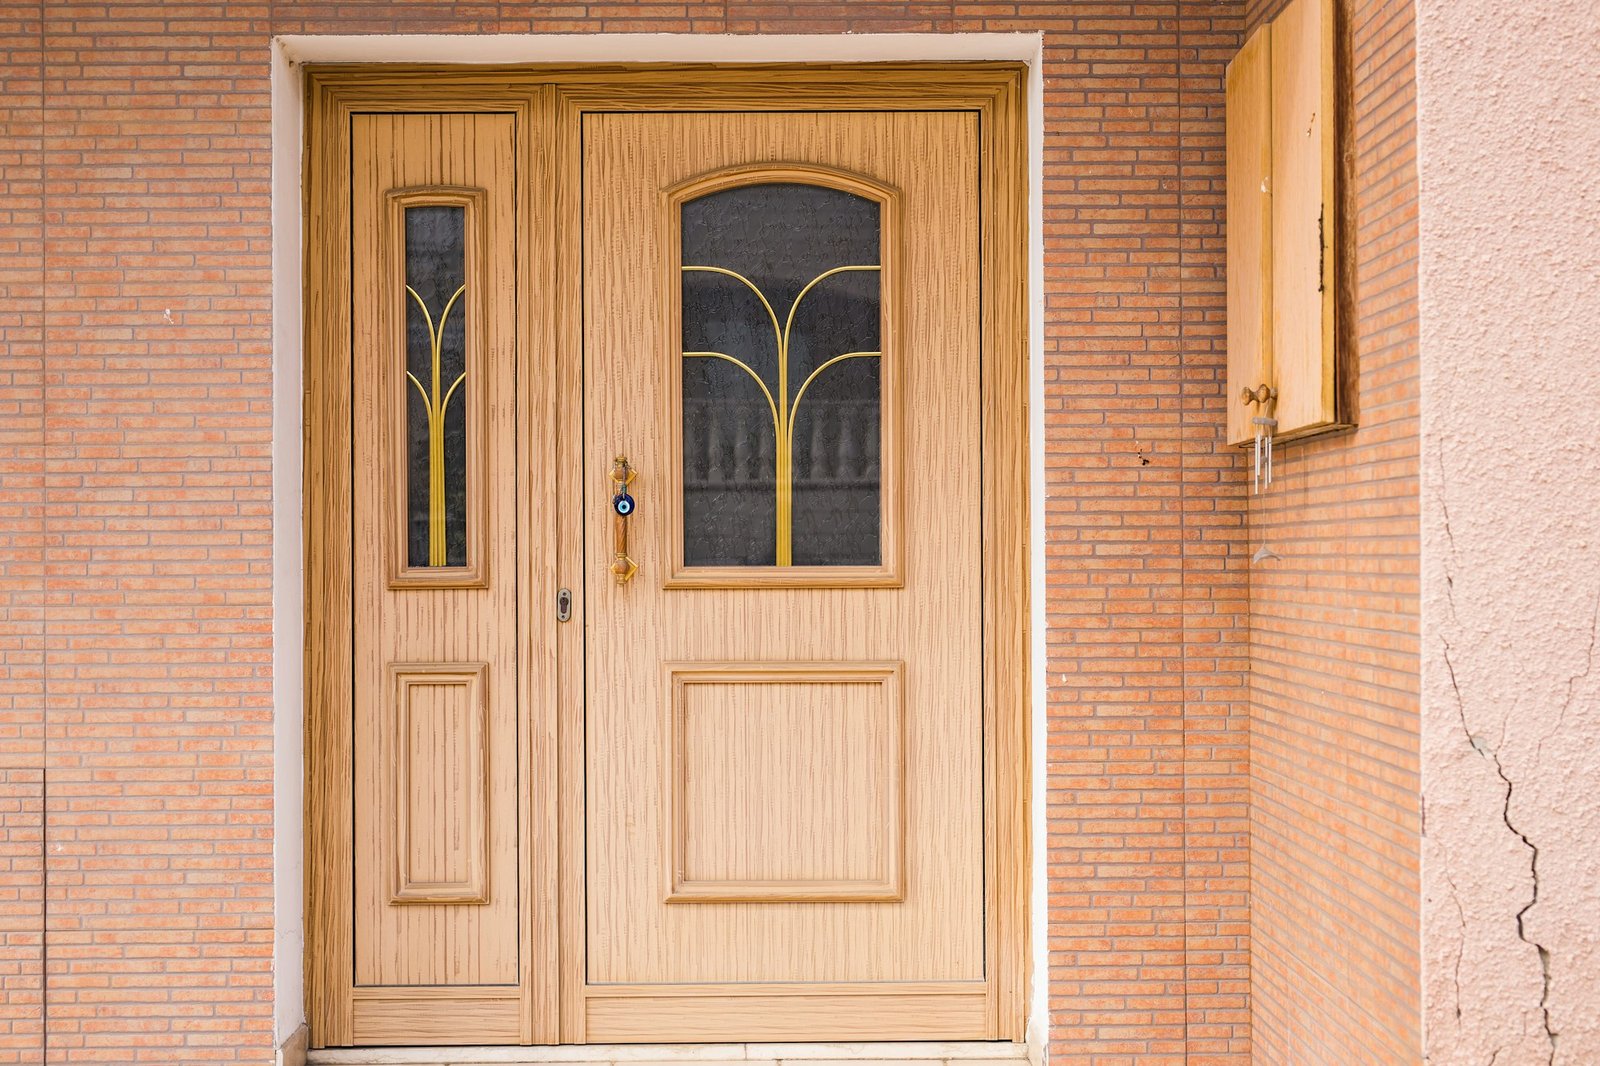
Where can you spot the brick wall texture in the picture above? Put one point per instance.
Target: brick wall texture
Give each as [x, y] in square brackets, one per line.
[135, 539]
[1334, 741]
[21, 916]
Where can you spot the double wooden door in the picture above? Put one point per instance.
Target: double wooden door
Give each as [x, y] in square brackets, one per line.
[667, 656]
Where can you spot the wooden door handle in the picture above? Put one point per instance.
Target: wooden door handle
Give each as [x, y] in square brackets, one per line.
[1262, 394]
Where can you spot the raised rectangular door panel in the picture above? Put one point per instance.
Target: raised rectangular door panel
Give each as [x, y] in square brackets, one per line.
[785, 782]
[437, 903]
[828, 668]
[1248, 90]
[441, 781]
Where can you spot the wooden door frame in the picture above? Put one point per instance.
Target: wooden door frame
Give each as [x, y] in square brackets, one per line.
[550, 102]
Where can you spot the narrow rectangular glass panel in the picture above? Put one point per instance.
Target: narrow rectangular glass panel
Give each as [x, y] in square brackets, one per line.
[436, 403]
[782, 377]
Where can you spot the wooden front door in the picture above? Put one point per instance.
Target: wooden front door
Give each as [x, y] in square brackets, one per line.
[664, 543]
[784, 703]
[441, 914]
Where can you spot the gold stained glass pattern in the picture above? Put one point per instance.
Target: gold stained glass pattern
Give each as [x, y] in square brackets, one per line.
[782, 377]
[436, 414]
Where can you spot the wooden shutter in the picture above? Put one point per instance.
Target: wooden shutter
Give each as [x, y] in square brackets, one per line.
[1249, 112]
[1288, 281]
[1304, 216]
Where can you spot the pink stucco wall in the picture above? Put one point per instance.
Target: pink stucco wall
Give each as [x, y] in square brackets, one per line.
[1509, 140]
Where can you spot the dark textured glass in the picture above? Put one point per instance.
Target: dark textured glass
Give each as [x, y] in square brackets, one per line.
[436, 266]
[780, 237]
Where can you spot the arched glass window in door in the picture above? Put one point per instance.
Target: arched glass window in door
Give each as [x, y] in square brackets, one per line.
[783, 377]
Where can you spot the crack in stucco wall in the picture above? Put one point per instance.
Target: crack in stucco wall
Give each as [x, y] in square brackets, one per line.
[1461, 927]
[1485, 750]
[1508, 205]
[1574, 680]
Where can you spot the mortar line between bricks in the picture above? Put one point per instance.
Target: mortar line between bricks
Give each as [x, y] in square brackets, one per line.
[1183, 513]
[44, 569]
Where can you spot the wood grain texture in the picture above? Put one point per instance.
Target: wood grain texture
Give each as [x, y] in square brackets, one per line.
[435, 1016]
[1346, 216]
[1003, 208]
[933, 623]
[438, 943]
[541, 652]
[1305, 207]
[910, 1011]
[438, 766]
[548, 105]
[911, 86]
[331, 105]
[571, 486]
[1248, 92]
[329, 800]
[785, 782]
[1291, 276]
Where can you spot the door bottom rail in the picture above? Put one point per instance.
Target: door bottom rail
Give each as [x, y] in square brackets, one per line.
[874, 1053]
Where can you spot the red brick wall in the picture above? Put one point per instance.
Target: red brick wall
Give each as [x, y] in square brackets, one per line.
[153, 450]
[1334, 632]
[21, 391]
[21, 543]
[21, 917]
[157, 726]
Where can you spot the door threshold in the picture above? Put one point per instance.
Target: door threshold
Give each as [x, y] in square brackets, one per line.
[906, 1053]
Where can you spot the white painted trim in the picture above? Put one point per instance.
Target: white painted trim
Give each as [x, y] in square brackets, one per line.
[288, 560]
[663, 48]
[288, 52]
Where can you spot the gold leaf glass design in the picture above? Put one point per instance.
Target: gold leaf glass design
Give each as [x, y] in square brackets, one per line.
[436, 414]
[782, 377]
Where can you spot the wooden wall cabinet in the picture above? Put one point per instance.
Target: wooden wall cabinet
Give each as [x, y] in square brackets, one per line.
[1289, 283]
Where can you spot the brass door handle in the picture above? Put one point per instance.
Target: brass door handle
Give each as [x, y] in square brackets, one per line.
[622, 508]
